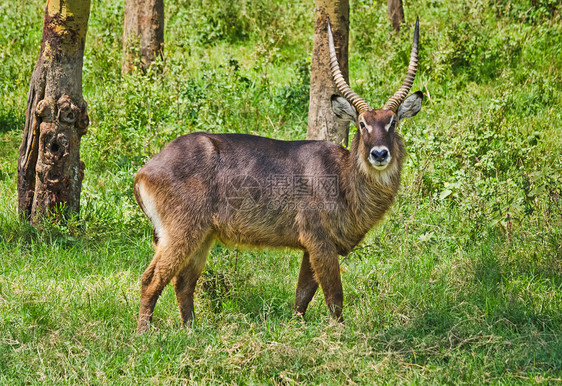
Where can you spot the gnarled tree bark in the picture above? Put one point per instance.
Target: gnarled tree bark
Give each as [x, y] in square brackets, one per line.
[395, 14]
[143, 33]
[322, 123]
[49, 168]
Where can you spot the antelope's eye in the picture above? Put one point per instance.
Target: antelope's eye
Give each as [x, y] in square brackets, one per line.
[362, 124]
[392, 124]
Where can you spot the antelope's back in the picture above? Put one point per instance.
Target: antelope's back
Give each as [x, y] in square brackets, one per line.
[212, 157]
[251, 189]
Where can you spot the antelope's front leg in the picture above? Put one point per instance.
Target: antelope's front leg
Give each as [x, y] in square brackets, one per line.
[325, 264]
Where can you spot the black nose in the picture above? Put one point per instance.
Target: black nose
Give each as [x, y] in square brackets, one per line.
[379, 155]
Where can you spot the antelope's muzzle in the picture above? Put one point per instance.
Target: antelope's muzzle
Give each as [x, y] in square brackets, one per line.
[379, 157]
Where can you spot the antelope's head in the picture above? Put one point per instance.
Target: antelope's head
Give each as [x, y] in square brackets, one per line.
[378, 136]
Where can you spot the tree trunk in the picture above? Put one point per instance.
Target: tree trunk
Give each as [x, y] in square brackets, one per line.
[49, 168]
[395, 14]
[322, 123]
[143, 33]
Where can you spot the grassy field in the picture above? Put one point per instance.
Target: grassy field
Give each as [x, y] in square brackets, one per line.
[461, 284]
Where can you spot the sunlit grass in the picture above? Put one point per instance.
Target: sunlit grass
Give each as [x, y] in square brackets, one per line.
[462, 283]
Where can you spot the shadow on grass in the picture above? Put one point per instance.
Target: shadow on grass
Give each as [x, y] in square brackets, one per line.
[504, 319]
[439, 338]
[10, 120]
[509, 284]
[228, 292]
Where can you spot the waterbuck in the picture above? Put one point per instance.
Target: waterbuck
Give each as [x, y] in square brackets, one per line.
[315, 196]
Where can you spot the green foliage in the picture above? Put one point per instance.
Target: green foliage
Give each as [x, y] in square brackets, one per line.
[211, 22]
[475, 55]
[532, 11]
[461, 284]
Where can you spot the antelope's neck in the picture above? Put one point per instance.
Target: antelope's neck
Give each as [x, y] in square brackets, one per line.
[371, 192]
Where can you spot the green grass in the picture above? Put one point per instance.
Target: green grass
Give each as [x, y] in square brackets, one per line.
[461, 284]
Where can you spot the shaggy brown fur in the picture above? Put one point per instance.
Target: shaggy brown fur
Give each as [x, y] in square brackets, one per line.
[249, 190]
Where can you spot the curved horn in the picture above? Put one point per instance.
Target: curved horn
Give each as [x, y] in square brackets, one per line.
[342, 85]
[400, 95]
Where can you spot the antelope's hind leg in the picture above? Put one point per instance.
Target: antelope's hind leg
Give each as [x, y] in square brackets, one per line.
[306, 286]
[172, 253]
[186, 279]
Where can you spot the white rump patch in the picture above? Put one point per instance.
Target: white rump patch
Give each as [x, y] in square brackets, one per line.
[149, 207]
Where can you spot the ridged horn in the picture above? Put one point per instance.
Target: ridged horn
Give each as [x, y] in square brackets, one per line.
[342, 85]
[400, 95]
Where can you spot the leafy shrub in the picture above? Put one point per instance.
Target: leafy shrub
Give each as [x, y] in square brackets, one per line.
[477, 54]
[530, 11]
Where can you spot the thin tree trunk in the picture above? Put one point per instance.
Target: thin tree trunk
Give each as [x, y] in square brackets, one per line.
[395, 14]
[143, 33]
[49, 168]
[322, 123]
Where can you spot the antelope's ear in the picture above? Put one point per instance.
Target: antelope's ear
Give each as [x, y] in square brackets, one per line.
[411, 106]
[343, 109]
